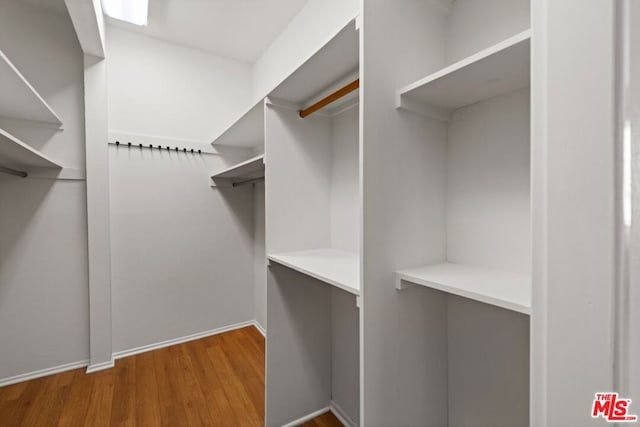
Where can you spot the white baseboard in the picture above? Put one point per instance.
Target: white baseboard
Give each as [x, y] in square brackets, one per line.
[43, 373]
[187, 338]
[119, 355]
[308, 417]
[260, 328]
[341, 415]
[101, 366]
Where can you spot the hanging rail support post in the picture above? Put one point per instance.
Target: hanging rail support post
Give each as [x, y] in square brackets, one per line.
[14, 172]
[331, 98]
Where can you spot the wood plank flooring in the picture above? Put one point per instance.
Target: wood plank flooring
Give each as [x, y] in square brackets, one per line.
[214, 381]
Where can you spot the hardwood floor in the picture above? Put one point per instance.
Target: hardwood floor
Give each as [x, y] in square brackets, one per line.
[215, 381]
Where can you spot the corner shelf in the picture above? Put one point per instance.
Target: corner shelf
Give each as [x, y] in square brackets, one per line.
[15, 153]
[246, 131]
[333, 266]
[510, 291]
[247, 170]
[19, 99]
[495, 71]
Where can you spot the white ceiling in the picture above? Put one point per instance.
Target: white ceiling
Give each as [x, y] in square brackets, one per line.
[237, 29]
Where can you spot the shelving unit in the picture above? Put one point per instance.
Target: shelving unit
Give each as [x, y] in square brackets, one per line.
[19, 99]
[501, 289]
[313, 245]
[247, 131]
[250, 169]
[16, 154]
[497, 70]
[447, 189]
[335, 267]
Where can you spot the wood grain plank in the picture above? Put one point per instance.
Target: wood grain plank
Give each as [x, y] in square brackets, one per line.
[215, 381]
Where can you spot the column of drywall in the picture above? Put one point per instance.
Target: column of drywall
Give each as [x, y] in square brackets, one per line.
[95, 92]
[311, 29]
[573, 204]
[403, 179]
[632, 204]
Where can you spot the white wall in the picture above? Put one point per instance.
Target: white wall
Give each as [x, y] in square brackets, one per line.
[345, 188]
[317, 23]
[43, 224]
[488, 209]
[163, 89]
[182, 252]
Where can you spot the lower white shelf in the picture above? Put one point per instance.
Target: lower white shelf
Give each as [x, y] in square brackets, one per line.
[333, 266]
[15, 153]
[507, 290]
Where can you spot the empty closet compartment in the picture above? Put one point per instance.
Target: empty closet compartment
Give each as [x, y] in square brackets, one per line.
[469, 119]
[313, 237]
[241, 147]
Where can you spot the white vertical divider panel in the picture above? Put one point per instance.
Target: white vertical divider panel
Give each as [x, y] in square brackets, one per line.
[632, 369]
[403, 177]
[298, 155]
[573, 165]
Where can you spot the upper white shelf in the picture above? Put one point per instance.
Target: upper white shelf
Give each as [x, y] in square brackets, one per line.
[497, 70]
[333, 266]
[15, 153]
[251, 168]
[19, 100]
[247, 131]
[507, 290]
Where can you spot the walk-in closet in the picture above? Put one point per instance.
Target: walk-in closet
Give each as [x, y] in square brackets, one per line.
[360, 213]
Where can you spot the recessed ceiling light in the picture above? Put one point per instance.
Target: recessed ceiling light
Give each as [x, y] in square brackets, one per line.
[132, 11]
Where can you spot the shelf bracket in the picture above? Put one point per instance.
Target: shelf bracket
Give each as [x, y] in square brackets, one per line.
[14, 172]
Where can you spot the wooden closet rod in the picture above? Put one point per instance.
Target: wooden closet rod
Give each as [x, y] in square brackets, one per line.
[10, 171]
[331, 98]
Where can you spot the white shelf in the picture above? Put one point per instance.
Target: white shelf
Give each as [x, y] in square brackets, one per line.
[495, 71]
[247, 131]
[335, 267]
[507, 290]
[19, 100]
[15, 153]
[251, 168]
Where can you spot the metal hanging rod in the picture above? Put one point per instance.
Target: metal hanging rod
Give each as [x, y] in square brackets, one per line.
[330, 98]
[14, 172]
[158, 147]
[247, 182]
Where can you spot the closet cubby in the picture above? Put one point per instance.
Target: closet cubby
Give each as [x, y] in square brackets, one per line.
[243, 138]
[313, 239]
[468, 118]
[21, 101]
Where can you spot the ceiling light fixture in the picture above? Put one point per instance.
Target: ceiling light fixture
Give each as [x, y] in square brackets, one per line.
[132, 11]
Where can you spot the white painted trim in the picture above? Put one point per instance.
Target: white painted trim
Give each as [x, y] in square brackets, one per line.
[101, 366]
[308, 417]
[260, 328]
[180, 340]
[43, 373]
[341, 415]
